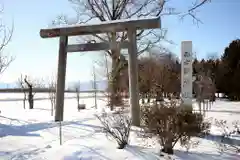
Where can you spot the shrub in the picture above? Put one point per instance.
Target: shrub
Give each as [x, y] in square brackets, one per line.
[190, 144]
[172, 123]
[236, 125]
[227, 142]
[117, 126]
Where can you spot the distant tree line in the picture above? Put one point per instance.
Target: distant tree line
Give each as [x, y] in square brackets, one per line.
[160, 73]
[159, 76]
[224, 71]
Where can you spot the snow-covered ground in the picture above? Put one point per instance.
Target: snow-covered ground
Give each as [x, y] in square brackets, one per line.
[33, 135]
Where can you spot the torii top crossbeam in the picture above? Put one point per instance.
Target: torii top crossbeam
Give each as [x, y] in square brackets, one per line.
[103, 27]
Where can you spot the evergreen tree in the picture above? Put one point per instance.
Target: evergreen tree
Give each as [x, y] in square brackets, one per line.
[230, 69]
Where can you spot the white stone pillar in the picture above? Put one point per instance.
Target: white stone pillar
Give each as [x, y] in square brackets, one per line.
[186, 72]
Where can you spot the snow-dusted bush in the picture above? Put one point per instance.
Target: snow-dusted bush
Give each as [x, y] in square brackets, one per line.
[227, 133]
[117, 126]
[172, 123]
[190, 144]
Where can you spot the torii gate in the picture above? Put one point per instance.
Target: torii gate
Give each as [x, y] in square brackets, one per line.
[131, 26]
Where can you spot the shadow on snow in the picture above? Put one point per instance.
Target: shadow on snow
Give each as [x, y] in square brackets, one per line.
[141, 153]
[23, 155]
[87, 153]
[26, 129]
[204, 156]
[224, 140]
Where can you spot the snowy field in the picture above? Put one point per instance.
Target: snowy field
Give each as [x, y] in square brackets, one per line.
[32, 134]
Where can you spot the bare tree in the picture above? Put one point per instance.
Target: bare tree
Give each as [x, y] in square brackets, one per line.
[6, 36]
[32, 84]
[168, 76]
[30, 93]
[159, 75]
[106, 62]
[77, 87]
[107, 10]
[52, 93]
[22, 84]
[102, 72]
[147, 70]
[205, 90]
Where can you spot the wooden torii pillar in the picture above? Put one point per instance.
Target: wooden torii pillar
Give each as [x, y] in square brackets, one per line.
[131, 26]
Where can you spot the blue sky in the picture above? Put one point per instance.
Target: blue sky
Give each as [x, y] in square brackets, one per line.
[37, 57]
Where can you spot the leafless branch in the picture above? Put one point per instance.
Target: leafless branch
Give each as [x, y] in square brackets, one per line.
[21, 84]
[6, 34]
[192, 11]
[117, 126]
[52, 84]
